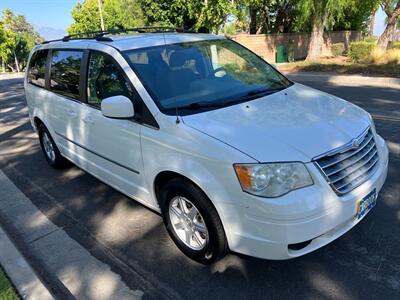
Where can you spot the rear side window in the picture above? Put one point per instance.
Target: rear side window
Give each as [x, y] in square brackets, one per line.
[65, 70]
[37, 68]
[105, 79]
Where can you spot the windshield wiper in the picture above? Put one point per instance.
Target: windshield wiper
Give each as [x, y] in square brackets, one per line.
[197, 105]
[208, 104]
[253, 95]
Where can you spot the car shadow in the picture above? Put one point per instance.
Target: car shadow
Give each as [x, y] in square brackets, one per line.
[364, 263]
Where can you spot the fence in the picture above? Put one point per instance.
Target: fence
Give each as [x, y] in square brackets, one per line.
[296, 43]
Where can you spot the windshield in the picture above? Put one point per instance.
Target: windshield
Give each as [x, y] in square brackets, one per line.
[198, 76]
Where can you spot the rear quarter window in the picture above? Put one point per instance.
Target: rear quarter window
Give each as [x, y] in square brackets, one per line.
[37, 68]
[65, 72]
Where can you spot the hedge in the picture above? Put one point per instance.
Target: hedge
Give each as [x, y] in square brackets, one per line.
[337, 49]
[394, 45]
[360, 51]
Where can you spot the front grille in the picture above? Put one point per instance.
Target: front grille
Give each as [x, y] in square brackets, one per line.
[351, 165]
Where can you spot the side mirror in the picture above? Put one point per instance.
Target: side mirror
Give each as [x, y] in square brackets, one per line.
[118, 107]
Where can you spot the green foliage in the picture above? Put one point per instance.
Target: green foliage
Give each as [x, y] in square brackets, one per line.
[168, 13]
[357, 15]
[322, 12]
[6, 290]
[337, 49]
[360, 51]
[394, 45]
[209, 15]
[18, 39]
[370, 39]
[116, 14]
[189, 14]
[271, 16]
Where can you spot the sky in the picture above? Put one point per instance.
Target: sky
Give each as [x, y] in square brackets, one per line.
[52, 17]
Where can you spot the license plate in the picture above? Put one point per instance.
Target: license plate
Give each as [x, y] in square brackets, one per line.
[366, 203]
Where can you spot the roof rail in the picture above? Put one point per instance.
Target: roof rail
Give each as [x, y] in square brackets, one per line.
[100, 35]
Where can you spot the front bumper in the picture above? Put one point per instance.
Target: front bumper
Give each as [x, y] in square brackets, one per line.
[266, 227]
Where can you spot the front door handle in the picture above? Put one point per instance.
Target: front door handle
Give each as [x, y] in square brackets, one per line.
[88, 120]
[72, 113]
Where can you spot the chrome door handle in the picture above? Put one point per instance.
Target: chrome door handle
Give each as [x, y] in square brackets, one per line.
[72, 113]
[88, 120]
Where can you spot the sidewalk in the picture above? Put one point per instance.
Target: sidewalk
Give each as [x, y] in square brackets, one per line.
[66, 268]
[20, 272]
[346, 80]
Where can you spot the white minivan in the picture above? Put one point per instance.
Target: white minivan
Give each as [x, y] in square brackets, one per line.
[233, 154]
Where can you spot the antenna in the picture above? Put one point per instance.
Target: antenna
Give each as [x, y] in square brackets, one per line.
[177, 115]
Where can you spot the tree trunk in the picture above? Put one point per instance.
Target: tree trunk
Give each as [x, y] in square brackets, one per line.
[386, 36]
[372, 23]
[16, 62]
[390, 27]
[3, 65]
[253, 20]
[316, 40]
[11, 67]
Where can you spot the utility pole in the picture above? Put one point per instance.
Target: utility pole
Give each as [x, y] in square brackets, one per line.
[101, 16]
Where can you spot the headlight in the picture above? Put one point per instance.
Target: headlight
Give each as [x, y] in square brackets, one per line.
[274, 179]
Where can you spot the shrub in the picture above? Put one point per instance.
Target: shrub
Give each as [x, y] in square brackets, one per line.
[394, 45]
[337, 49]
[370, 39]
[393, 56]
[379, 56]
[360, 51]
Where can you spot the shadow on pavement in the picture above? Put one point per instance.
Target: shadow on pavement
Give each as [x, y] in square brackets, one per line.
[364, 263]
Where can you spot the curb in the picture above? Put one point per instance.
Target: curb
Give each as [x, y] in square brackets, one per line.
[20, 272]
[12, 75]
[348, 80]
[67, 269]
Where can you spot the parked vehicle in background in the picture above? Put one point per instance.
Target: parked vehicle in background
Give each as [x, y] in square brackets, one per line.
[233, 154]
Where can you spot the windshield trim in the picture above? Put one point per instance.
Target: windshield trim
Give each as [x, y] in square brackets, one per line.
[200, 109]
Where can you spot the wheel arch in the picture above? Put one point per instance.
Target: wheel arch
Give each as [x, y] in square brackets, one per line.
[165, 176]
[37, 122]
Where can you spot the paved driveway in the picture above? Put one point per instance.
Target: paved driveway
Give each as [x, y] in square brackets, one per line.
[363, 264]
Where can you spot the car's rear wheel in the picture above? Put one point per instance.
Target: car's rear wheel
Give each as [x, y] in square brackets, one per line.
[192, 221]
[50, 150]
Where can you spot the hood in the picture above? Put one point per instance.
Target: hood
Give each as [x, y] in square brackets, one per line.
[296, 124]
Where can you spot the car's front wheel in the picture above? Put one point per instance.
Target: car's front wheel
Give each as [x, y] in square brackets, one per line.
[192, 221]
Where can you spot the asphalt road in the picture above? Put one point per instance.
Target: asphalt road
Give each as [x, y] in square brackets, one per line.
[363, 264]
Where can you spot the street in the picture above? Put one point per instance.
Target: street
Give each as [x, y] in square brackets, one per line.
[131, 239]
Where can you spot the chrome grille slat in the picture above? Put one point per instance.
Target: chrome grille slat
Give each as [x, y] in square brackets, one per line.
[348, 167]
[346, 183]
[351, 163]
[351, 153]
[363, 163]
[360, 179]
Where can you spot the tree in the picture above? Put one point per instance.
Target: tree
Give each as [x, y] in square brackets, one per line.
[172, 13]
[201, 15]
[20, 37]
[117, 14]
[359, 16]
[392, 10]
[269, 16]
[213, 14]
[323, 14]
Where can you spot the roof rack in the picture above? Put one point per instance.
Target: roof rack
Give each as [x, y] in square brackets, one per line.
[100, 35]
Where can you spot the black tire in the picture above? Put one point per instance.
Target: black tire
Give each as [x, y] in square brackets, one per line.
[217, 245]
[58, 162]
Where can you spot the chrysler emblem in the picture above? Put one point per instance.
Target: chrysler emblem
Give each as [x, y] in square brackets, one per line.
[355, 144]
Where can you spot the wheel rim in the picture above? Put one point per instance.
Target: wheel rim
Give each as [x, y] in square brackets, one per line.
[188, 223]
[48, 147]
